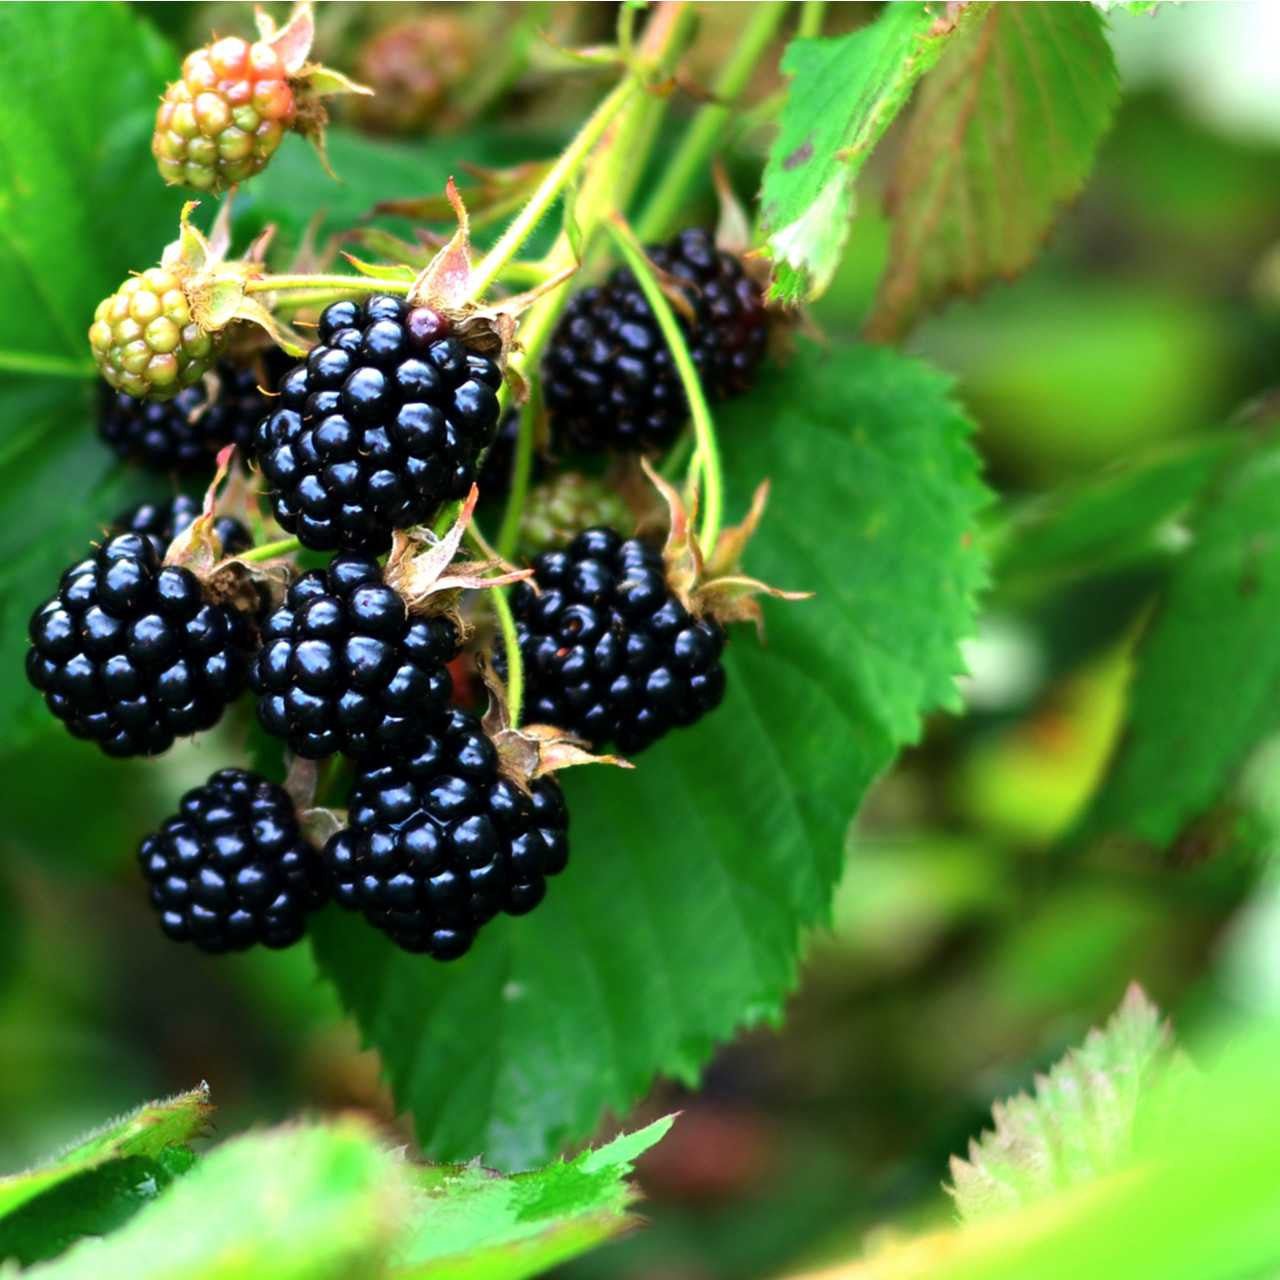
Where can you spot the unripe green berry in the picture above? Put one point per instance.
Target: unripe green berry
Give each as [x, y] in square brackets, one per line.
[560, 508]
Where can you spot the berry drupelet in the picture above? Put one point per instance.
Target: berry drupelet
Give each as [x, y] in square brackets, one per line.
[185, 433]
[382, 423]
[610, 653]
[163, 521]
[608, 376]
[131, 653]
[345, 667]
[232, 868]
[441, 841]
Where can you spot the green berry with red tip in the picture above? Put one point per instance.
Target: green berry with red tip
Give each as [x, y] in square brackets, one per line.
[146, 341]
[223, 120]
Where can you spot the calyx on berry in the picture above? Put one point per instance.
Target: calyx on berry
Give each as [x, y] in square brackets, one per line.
[714, 587]
[422, 568]
[532, 751]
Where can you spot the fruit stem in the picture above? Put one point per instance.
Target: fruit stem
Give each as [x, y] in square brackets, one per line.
[521, 471]
[270, 550]
[515, 662]
[309, 284]
[46, 366]
[811, 14]
[707, 456]
[690, 161]
[549, 189]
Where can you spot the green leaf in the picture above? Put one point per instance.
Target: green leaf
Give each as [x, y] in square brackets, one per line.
[147, 1132]
[1003, 133]
[1207, 687]
[307, 1202]
[693, 877]
[1080, 1123]
[471, 1224]
[1127, 512]
[845, 92]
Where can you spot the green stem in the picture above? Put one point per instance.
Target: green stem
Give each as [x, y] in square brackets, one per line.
[549, 189]
[309, 284]
[708, 454]
[47, 366]
[521, 474]
[691, 158]
[515, 663]
[270, 550]
[811, 14]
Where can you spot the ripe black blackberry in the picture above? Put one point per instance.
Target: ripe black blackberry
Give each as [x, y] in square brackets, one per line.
[441, 841]
[163, 521]
[185, 433]
[232, 867]
[131, 653]
[380, 425]
[345, 667]
[610, 652]
[608, 377]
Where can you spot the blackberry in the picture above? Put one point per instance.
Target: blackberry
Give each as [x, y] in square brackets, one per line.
[564, 506]
[608, 378]
[131, 654]
[163, 521]
[232, 868]
[380, 425]
[441, 841]
[184, 433]
[344, 667]
[609, 651]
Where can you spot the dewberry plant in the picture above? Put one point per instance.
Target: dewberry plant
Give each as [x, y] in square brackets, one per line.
[413, 493]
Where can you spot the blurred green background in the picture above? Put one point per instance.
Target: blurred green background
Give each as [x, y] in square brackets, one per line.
[968, 950]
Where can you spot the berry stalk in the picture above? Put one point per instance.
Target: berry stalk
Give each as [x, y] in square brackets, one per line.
[692, 157]
[271, 550]
[515, 660]
[707, 457]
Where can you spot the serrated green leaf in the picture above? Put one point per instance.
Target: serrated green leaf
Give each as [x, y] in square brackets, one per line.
[692, 878]
[305, 1202]
[845, 92]
[471, 1224]
[1003, 132]
[147, 1132]
[1207, 687]
[1080, 1123]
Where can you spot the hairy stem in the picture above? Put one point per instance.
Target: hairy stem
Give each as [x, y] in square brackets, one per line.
[521, 474]
[692, 157]
[515, 663]
[549, 189]
[811, 14]
[704, 432]
[310, 284]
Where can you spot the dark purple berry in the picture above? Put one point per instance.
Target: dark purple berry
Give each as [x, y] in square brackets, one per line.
[231, 868]
[163, 521]
[383, 422]
[440, 842]
[130, 654]
[609, 651]
[345, 667]
[608, 377]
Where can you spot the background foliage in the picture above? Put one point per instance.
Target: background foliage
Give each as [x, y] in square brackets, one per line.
[1093, 803]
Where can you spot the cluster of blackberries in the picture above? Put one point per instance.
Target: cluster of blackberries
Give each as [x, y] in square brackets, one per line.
[389, 417]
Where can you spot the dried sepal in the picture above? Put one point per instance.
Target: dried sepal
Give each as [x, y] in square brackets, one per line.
[733, 228]
[446, 286]
[320, 823]
[301, 778]
[424, 568]
[226, 579]
[534, 750]
[716, 588]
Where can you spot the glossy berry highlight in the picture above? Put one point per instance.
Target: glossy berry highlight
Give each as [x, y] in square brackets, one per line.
[440, 842]
[224, 118]
[382, 424]
[345, 667]
[232, 869]
[610, 653]
[608, 377]
[129, 653]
